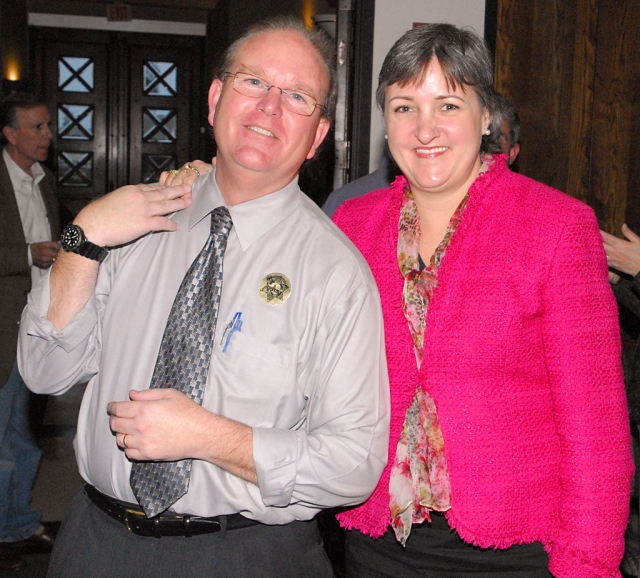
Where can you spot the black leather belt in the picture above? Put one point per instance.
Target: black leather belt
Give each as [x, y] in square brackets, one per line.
[165, 524]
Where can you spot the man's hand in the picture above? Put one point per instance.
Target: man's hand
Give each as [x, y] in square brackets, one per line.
[160, 425]
[186, 175]
[131, 212]
[623, 255]
[44, 254]
[166, 425]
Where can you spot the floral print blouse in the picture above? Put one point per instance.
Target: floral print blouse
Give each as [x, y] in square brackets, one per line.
[419, 480]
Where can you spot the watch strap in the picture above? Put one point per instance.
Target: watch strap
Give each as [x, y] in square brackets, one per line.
[92, 251]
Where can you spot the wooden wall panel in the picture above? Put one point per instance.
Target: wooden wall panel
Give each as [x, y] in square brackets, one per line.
[633, 187]
[582, 100]
[612, 113]
[534, 49]
[572, 69]
[539, 104]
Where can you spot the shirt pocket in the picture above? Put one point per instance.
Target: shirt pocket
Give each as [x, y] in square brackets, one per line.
[242, 343]
[258, 379]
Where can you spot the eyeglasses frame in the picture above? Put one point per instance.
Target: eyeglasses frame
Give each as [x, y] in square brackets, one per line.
[283, 91]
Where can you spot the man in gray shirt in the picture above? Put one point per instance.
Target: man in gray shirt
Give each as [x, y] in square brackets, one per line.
[294, 415]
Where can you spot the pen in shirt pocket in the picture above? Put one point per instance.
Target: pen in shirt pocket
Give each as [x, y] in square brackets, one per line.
[234, 325]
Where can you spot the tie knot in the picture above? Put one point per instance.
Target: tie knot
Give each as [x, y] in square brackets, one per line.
[221, 222]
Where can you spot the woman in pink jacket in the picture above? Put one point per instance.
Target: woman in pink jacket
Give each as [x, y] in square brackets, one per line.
[509, 424]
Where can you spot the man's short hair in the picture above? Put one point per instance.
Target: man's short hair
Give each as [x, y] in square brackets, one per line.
[507, 112]
[9, 106]
[316, 37]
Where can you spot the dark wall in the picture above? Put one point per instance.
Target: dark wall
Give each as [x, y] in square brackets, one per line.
[14, 45]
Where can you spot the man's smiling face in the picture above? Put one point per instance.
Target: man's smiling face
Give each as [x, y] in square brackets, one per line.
[260, 136]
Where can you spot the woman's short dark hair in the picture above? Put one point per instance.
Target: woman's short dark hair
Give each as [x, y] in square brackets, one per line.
[465, 60]
[317, 37]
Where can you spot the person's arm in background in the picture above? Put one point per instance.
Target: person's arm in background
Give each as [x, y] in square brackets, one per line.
[624, 257]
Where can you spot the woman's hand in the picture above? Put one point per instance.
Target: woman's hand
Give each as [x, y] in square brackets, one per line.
[186, 174]
[623, 255]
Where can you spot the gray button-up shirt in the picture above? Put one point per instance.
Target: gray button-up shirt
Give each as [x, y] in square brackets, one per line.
[308, 374]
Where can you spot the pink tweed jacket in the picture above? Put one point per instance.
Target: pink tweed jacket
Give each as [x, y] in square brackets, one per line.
[522, 357]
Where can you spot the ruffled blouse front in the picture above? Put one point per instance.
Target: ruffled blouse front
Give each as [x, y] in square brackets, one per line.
[419, 481]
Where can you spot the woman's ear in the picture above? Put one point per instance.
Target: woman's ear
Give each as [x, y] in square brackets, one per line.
[486, 120]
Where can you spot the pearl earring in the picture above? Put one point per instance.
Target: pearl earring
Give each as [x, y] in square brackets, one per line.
[487, 132]
[386, 137]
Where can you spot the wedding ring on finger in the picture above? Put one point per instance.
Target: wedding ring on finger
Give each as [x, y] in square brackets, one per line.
[173, 173]
[188, 167]
[124, 442]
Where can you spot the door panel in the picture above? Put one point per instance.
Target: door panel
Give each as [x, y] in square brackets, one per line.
[121, 107]
[159, 111]
[75, 84]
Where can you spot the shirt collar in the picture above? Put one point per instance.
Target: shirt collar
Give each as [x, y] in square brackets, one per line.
[251, 219]
[17, 174]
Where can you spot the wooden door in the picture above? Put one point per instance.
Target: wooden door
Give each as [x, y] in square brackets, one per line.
[75, 85]
[124, 107]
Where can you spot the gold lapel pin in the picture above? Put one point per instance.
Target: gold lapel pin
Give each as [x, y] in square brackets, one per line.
[275, 288]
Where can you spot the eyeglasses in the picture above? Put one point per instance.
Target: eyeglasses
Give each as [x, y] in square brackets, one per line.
[255, 87]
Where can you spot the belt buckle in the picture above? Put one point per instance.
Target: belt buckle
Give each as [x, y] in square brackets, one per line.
[127, 512]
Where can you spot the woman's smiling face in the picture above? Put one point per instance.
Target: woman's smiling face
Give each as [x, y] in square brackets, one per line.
[435, 131]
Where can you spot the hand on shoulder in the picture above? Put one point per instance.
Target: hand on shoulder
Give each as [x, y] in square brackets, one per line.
[186, 174]
[131, 212]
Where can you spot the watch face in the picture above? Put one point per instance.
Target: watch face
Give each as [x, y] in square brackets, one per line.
[71, 238]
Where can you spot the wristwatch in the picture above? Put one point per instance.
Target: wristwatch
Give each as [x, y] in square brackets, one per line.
[73, 240]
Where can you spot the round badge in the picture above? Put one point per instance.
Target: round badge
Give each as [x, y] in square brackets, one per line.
[275, 288]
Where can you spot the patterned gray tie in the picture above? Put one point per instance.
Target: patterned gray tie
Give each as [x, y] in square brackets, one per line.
[184, 359]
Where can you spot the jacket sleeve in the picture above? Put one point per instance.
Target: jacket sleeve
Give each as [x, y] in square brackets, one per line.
[14, 250]
[14, 259]
[583, 354]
